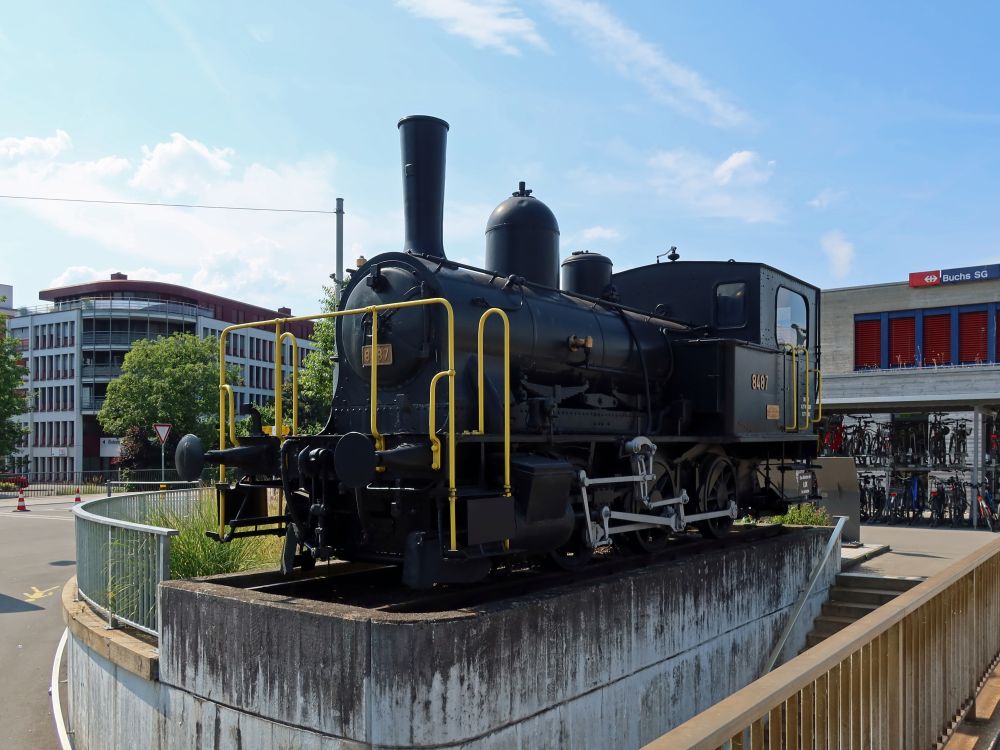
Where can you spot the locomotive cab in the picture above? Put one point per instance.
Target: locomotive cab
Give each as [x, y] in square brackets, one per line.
[750, 367]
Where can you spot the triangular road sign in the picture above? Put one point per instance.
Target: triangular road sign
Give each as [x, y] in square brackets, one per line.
[162, 431]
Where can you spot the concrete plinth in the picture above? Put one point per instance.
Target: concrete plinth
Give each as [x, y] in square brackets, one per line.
[612, 663]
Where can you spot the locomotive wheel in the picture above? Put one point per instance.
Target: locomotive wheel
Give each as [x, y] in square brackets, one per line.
[716, 493]
[576, 553]
[653, 540]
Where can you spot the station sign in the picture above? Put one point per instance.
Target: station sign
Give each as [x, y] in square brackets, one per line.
[955, 275]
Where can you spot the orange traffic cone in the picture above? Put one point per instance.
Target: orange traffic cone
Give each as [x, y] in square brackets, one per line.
[21, 507]
[77, 498]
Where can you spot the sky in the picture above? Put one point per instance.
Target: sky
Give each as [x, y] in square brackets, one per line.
[847, 143]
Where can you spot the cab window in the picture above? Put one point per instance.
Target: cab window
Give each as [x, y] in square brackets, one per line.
[791, 318]
[731, 305]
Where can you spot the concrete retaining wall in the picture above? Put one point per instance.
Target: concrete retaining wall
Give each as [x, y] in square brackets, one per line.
[597, 665]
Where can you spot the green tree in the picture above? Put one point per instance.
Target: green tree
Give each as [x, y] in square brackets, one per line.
[13, 397]
[173, 379]
[316, 377]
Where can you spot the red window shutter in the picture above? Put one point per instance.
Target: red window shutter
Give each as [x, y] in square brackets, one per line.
[902, 342]
[972, 345]
[867, 344]
[937, 339]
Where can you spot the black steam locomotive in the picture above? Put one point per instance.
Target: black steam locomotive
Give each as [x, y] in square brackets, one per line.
[483, 416]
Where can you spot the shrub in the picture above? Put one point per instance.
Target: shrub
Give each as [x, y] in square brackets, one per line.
[192, 554]
[7, 486]
[804, 514]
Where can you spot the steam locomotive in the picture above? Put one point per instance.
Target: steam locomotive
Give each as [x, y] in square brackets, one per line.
[485, 416]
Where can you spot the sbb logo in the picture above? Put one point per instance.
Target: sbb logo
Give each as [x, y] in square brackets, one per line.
[925, 278]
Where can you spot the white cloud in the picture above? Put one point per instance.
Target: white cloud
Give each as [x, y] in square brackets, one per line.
[826, 198]
[743, 167]
[33, 147]
[639, 60]
[181, 166]
[494, 24]
[601, 233]
[839, 252]
[731, 188]
[270, 259]
[83, 274]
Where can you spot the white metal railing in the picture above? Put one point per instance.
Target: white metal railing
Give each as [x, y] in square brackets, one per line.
[121, 559]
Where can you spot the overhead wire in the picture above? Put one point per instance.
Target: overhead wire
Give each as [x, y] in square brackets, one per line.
[168, 205]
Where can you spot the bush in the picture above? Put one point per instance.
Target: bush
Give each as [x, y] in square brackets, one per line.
[7, 486]
[804, 514]
[192, 554]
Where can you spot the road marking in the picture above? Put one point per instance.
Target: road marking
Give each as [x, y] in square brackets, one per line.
[57, 713]
[46, 516]
[35, 594]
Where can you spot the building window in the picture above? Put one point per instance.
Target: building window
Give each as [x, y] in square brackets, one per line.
[902, 342]
[867, 344]
[972, 345]
[937, 339]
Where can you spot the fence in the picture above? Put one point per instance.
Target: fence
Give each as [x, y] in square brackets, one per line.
[89, 482]
[897, 678]
[121, 560]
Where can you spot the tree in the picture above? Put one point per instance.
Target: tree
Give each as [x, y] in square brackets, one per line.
[13, 398]
[173, 379]
[316, 377]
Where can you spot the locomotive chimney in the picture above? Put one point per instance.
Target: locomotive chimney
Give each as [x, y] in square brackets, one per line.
[422, 140]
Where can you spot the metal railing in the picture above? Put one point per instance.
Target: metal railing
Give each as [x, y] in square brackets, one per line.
[898, 678]
[226, 393]
[121, 559]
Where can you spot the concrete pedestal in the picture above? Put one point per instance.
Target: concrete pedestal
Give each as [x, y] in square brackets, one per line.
[612, 663]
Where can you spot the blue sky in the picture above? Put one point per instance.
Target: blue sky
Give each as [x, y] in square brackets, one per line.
[848, 143]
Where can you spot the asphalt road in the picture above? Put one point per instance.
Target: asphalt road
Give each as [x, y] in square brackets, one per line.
[37, 556]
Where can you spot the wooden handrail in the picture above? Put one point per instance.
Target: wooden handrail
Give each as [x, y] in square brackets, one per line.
[956, 611]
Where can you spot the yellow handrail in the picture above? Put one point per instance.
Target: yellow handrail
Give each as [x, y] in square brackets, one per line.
[506, 388]
[379, 440]
[228, 389]
[794, 426]
[819, 394]
[295, 380]
[807, 416]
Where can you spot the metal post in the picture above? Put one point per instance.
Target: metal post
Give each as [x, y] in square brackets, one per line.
[163, 461]
[340, 249]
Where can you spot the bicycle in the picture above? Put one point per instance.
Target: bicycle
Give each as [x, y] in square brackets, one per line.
[958, 444]
[937, 503]
[985, 505]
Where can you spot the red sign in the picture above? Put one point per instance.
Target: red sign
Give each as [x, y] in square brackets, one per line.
[925, 278]
[162, 431]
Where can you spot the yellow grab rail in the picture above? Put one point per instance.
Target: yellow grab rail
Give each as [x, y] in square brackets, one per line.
[819, 395]
[807, 412]
[794, 426]
[379, 440]
[295, 383]
[506, 388]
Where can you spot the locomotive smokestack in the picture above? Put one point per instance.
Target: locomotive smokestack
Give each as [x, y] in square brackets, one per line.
[423, 140]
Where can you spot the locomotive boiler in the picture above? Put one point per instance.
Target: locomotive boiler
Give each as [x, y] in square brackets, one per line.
[484, 416]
